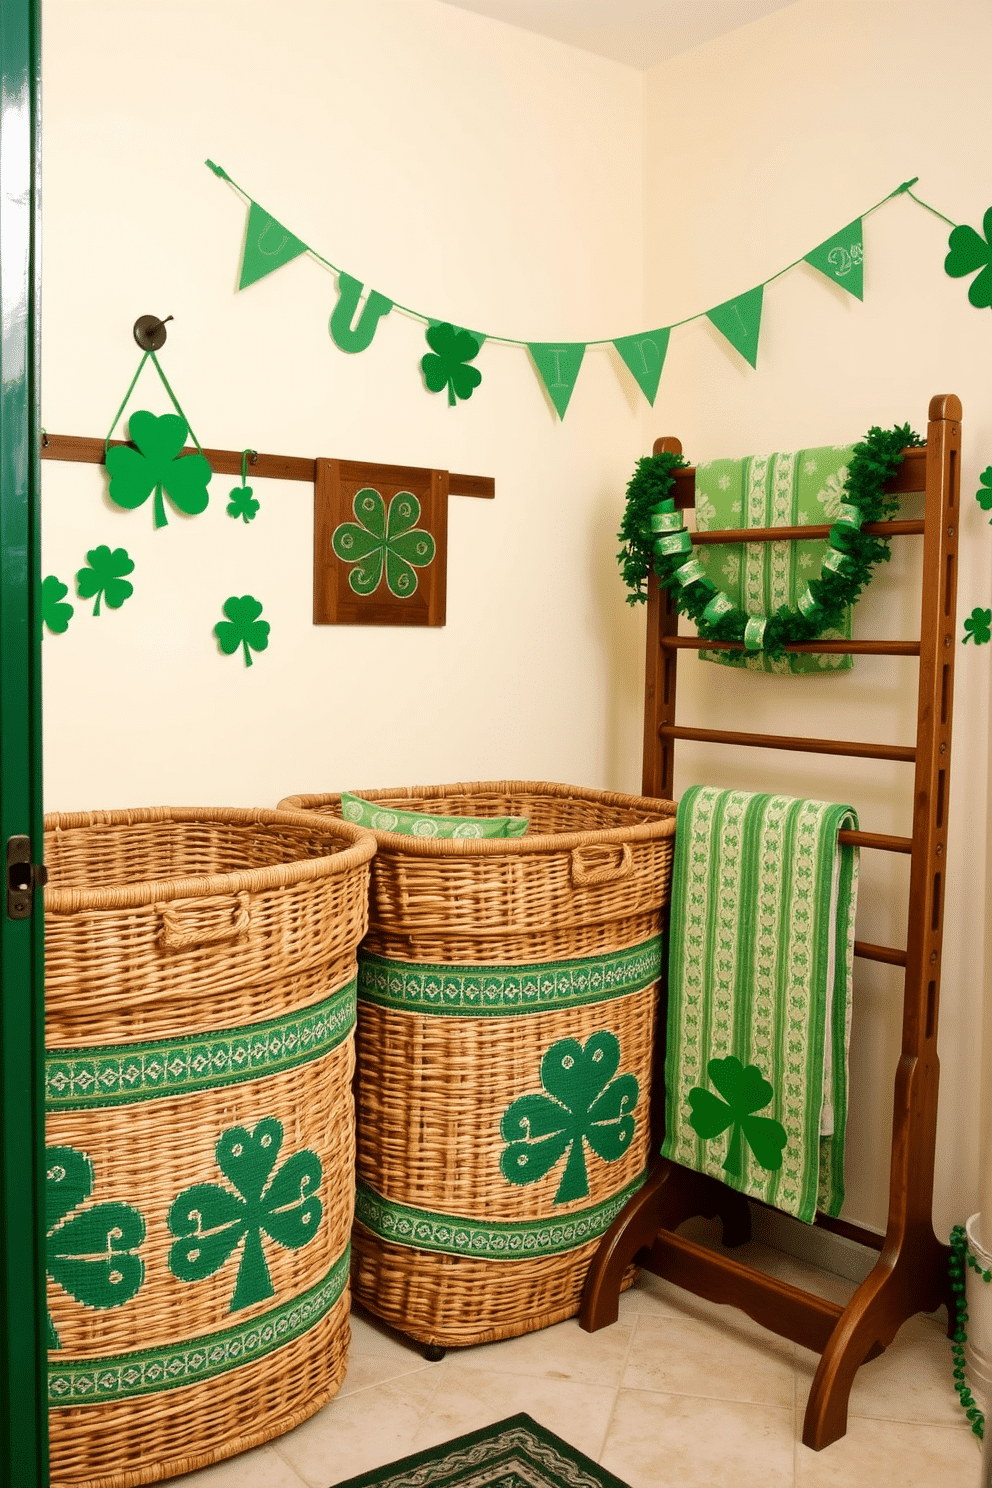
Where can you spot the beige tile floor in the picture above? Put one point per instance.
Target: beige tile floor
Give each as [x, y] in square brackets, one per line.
[679, 1391]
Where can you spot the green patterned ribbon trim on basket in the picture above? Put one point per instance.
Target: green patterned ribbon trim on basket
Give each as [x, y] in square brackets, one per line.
[74, 1382]
[492, 1240]
[119, 1074]
[496, 991]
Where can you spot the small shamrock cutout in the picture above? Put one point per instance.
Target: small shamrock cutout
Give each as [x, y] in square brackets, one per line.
[444, 365]
[242, 627]
[105, 577]
[584, 1104]
[969, 252]
[978, 627]
[984, 496]
[744, 1091]
[54, 613]
[242, 503]
[155, 466]
[379, 540]
[211, 1220]
[91, 1253]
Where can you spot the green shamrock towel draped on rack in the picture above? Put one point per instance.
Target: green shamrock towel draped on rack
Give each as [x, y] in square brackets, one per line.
[789, 489]
[760, 962]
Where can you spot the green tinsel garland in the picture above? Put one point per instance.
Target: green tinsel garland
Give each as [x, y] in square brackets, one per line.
[959, 1255]
[874, 461]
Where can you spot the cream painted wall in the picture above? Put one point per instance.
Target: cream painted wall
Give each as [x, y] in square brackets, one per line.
[758, 146]
[473, 171]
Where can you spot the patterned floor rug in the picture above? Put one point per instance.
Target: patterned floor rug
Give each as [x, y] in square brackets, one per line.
[515, 1453]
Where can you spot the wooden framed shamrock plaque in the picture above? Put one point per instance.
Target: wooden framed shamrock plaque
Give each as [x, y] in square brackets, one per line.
[380, 544]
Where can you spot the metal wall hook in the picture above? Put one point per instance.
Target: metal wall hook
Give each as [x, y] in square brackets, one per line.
[149, 332]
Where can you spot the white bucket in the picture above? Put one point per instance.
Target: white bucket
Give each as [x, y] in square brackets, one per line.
[978, 1300]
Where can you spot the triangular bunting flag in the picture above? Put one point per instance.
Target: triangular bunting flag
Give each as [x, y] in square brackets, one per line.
[645, 356]
[841, 258]
[558, 363]
[740, 320]
[267, 246]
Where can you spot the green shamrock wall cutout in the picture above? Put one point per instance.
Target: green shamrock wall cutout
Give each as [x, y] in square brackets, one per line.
[582, 1106]
[984, 494]
[242, 627]
[211, 1220]
[744, 1091]
[54, 613]
[379, 541]
[978, 627]
[104, 578]
[155, 466]
[446, 367]
[970, 251]
[91, 1253]
[241, 503]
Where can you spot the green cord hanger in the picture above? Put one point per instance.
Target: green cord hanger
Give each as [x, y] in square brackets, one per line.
[168, 389]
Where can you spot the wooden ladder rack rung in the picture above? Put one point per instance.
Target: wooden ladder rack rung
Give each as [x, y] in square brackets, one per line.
[902, 752]
[881, 840]
[800, 534]
[819, 648]
[889, 954]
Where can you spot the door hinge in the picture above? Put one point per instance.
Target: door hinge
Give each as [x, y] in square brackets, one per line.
[23, 877]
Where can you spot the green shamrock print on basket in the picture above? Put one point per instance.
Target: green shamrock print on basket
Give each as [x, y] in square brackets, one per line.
[978, 627]
[212, 1220]
[91, 1253]
[242, 627]
[444, 366]
[105, 577]
[744, 1091]
[584, 1104]
[381, 541]
[970, 251]
[155, 466]
[54, 613]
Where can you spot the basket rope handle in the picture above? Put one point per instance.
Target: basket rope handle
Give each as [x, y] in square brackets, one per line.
[583, 877]
[179, 939]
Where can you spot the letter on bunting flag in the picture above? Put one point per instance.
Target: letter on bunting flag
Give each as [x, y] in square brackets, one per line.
[558, 363]
[356, 338]
[644, 354]
[841, 258]
[267, 246]
[740, 321]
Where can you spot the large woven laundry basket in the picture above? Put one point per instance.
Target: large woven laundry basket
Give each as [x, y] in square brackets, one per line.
[200, 1007]
[506, 1019]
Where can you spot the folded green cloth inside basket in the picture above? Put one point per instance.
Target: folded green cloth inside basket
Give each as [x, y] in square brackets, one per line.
[760, 961]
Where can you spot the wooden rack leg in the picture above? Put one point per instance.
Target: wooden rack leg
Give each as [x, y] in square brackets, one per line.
[670, 1196]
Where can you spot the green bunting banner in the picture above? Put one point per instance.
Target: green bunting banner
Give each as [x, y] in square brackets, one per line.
[448, 363]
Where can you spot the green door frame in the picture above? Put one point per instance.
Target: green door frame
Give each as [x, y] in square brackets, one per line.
[23, 1387]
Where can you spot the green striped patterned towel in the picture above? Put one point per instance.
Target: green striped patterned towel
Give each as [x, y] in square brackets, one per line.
[790, 489]
[760, 961]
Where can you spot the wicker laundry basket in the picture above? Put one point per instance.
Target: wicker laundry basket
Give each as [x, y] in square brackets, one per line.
[200, 1003]
[506, 1016]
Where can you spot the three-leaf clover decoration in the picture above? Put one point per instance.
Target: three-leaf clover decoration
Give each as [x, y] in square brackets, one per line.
[970, 251]
[242, 503]
[978, 627]
[744, 1091]
[242, 627]
[91, 1253]
[445, 365]
[155, 466]
[584, 1104]
[105, 577]
[211, 1220]
[380, 540]
[984, 495]
[54, 613]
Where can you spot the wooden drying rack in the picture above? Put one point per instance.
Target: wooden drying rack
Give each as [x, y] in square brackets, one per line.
[910, 1274]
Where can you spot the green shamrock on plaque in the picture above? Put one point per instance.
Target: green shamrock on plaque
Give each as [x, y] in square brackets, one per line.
[978, 627]
[242, 627]
[91, 1253]
[984, 496]
[744, 1091]
[155, 466]
[584, 1104]
[105, 577]
[212, 1220]
[970, 251]
[54, 613]
[444, 366]
[380, 540]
